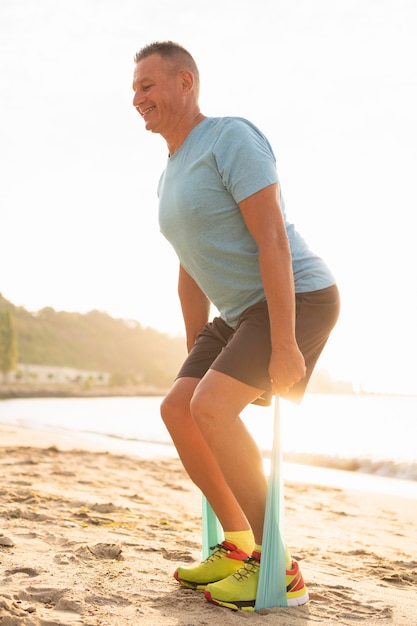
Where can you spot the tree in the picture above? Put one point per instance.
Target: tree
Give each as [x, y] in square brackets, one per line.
[8, 343]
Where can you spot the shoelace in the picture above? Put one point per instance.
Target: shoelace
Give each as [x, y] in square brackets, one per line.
[251, 567]
[219, 551]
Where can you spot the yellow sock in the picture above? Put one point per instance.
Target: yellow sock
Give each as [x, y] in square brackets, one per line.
[242, 539]
[288, 558]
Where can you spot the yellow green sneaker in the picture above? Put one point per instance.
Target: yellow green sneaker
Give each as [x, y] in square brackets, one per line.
[225, 560]
[238, 591]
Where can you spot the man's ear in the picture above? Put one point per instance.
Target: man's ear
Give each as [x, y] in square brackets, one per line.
[187, 81]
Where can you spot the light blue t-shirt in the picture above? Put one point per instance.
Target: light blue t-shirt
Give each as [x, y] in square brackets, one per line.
[222, 162]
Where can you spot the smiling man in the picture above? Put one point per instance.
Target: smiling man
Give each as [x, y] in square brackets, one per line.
[221, 208]
[167, 97]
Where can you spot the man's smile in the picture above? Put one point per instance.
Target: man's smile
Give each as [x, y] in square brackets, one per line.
[146, 111]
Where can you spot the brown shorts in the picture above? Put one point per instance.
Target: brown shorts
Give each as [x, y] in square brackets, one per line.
[244, 352]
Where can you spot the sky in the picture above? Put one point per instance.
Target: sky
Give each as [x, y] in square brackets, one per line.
[332, 84]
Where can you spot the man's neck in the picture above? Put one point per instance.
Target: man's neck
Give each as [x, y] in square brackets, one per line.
[175, 142]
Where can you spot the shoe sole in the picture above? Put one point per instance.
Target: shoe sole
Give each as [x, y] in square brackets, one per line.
[190, 585]
[249, 605]
[298, 601]
[243, 606]
[193, 586]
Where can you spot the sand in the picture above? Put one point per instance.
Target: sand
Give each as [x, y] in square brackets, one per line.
[92, 538]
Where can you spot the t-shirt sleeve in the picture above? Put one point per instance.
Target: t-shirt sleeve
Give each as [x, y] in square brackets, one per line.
[244, 158]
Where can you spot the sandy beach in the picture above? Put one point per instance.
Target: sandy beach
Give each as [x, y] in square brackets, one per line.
[92, 538]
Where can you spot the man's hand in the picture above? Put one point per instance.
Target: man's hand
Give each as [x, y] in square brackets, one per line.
[286, 368]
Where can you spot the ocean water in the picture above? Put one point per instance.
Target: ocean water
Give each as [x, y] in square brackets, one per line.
[359, 434]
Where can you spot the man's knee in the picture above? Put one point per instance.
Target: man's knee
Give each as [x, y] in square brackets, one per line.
[175, 407]
[171, 409]
[204, 408]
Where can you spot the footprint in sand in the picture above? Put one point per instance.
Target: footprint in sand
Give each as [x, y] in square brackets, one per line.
[109, 551]
[177, 555]
[29, 571]
[44, 595]
[341, 606]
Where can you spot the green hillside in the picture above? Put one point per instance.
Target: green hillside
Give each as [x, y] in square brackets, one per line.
[95, 341]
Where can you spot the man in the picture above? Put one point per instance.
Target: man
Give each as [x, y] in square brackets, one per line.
[220, 206]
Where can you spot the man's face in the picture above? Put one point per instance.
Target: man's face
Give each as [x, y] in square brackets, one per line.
[157, 94]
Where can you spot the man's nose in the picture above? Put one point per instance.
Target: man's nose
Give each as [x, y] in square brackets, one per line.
[137, 100]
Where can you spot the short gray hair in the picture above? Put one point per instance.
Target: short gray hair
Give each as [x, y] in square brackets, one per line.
[173, 52]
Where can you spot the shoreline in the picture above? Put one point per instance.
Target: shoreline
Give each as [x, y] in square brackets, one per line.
[94, 537]
[294, 471]
[56, 391]
[10, 392]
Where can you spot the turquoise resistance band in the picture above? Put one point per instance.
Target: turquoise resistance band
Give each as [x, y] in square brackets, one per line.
[272, 587]
[212, 530]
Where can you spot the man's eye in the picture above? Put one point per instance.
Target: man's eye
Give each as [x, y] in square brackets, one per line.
[146, 87]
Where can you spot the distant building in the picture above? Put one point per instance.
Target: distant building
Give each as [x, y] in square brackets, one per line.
[47, 374]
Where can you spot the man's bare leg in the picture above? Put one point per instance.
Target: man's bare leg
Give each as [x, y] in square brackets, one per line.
[215, 406]
[216, 449]
[196, 456]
